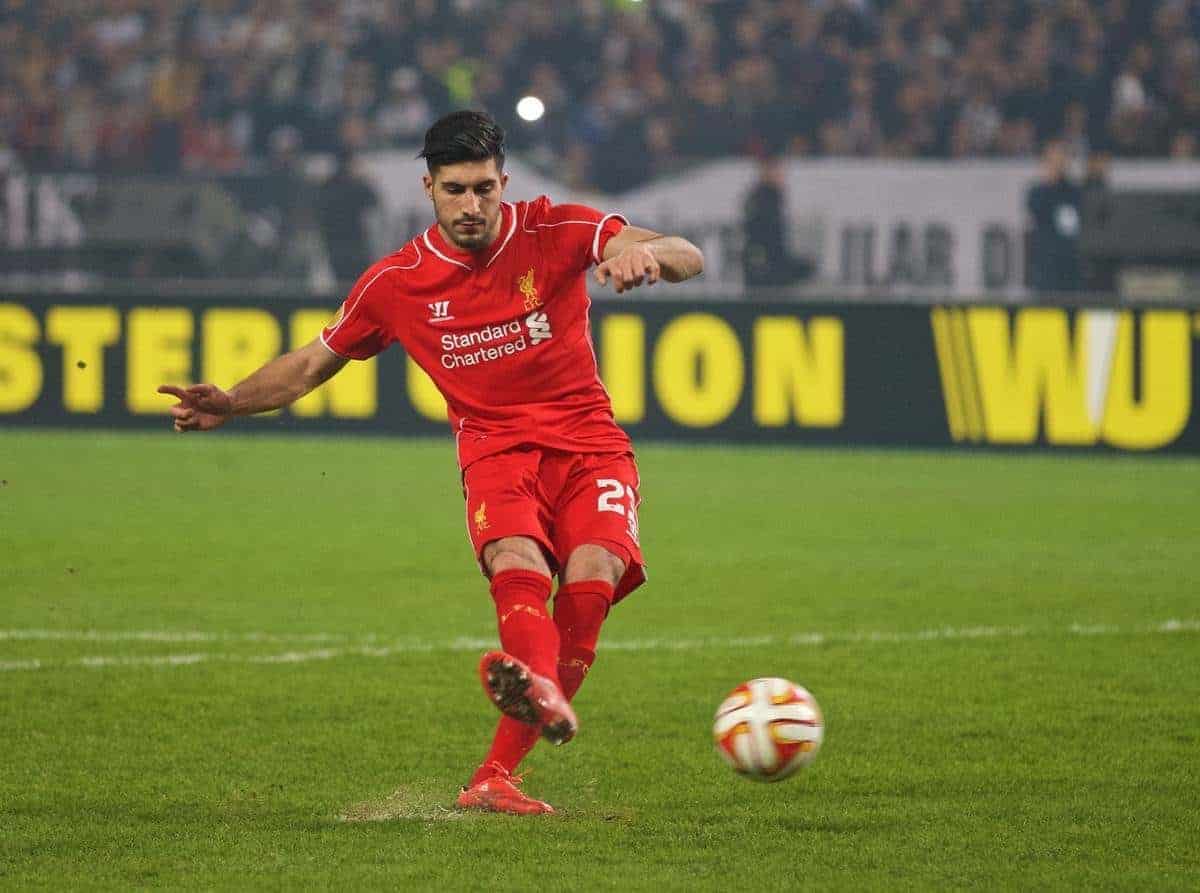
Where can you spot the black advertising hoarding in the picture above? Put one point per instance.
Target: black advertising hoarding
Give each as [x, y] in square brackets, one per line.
[805, 374]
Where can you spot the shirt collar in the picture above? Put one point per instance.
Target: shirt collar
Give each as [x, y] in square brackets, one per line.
[451, 253]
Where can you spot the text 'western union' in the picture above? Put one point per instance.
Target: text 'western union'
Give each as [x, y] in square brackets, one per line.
[697, 367]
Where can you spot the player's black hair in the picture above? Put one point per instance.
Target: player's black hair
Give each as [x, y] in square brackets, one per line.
[463, 136]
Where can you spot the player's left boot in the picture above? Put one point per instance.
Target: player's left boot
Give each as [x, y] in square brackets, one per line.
[499, 793]
[528, 697]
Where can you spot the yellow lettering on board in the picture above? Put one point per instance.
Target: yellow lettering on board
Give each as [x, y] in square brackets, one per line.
[1039, 371]
[236, 343]
[1166, 386]
[623, 365]
[351, 394]
[698, 370]
[423, 394]
[21, 373]
[799, 376]
[83, 332]
[158, 350]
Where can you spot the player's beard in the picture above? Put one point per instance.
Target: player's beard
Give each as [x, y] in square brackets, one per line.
[478, 237]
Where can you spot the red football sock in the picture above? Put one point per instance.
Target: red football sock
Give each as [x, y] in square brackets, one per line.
[528, 634]
[513, 739]
[526, 630]
[579, 610]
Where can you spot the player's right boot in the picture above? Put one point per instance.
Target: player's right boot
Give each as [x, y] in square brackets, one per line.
[498, 792]
[527, 697]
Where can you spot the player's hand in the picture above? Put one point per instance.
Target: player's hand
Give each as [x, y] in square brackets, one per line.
[629, 269]
[201, 407]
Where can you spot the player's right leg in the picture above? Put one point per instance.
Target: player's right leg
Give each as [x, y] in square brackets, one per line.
[507, 523]
[522, 679]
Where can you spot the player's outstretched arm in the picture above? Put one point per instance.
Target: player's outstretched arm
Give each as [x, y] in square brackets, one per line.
[284, 380]
[635, 256]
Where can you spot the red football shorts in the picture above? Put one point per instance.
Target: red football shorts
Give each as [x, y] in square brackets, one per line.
[561, 500]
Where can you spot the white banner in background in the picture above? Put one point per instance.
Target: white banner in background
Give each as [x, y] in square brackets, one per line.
[878, 228]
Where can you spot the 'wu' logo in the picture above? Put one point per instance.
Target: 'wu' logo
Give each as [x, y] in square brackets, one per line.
[539, 327]
[439, 311]
[1048, 375]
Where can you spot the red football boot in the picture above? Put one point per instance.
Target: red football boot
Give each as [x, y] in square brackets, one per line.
[527, 697]
[499, 793]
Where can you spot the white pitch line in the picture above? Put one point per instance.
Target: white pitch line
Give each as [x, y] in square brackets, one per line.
[95, 635]
[20, 665]
[367, 649]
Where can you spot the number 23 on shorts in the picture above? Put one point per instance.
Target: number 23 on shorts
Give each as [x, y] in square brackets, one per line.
[613, 498]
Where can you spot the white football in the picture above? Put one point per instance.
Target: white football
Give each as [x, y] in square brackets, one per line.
[768, 728]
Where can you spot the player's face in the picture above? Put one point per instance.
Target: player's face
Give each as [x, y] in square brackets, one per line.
[466, 200]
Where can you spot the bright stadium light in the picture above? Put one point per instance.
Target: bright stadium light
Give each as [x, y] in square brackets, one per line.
[530, 108]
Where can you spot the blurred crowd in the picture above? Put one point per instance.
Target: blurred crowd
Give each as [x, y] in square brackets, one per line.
[631, 90]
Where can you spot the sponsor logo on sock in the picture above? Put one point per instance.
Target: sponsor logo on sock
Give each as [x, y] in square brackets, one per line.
[521, 609]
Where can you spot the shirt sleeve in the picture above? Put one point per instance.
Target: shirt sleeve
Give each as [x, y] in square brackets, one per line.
[580, 233]
[355, 332]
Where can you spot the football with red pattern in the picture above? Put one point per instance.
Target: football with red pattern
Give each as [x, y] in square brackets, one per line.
[768, 728]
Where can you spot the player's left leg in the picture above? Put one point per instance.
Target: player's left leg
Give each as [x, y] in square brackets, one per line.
[505, 520]
[596, 541]
[522, 679]
[585, 594]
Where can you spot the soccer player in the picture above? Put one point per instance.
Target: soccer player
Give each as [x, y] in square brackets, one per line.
[491, 302]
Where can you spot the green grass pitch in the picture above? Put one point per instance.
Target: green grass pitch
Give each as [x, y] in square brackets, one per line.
[249, 662]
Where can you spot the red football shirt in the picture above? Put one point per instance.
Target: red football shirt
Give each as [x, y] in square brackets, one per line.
[504, 335]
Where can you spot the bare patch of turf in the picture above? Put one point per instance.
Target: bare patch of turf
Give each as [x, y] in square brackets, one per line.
[401, 805]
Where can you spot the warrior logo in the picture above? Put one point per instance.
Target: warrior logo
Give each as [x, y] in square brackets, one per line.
[439, 311]
[525, 284]
[481, 521]
[539, 328]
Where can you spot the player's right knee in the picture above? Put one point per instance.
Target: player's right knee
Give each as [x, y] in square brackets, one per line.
[514, 553]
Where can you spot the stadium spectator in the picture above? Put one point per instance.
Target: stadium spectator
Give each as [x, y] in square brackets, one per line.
[1055, 210]
[405, 114]
[1099, 275]
[128, 84]
[210, 148]
[343, 203]
[767, 260]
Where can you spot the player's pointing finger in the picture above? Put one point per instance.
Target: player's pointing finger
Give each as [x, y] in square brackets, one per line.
[173, 391]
